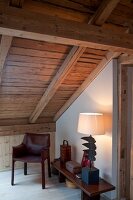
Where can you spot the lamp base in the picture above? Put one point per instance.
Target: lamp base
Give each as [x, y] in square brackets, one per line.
[90, 175]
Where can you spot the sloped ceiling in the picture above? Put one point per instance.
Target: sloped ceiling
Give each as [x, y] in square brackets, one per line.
[31, 67]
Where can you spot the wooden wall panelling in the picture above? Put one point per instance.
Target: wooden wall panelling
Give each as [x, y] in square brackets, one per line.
[6, 143]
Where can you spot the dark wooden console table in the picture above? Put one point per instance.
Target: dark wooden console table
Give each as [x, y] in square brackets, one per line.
[88, 192]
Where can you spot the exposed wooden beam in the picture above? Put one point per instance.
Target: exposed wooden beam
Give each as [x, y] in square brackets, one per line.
[71, 59]
[4, 48]
[21, 129]
[91, 77]
[98, 18]
[20, 23]
[104, 11]
[126, 59]
[123, 133]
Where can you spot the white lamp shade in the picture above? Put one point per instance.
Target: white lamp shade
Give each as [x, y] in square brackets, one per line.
[91, 123]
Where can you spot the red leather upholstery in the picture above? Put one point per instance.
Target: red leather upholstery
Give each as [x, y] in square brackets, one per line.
[34, 149]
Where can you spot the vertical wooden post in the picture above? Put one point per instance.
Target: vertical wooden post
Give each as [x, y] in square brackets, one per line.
[123, 165]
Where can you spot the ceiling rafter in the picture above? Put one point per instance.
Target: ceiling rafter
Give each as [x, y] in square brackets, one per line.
[4, 48]
[70, 60]
[68, 63]
[85, 84]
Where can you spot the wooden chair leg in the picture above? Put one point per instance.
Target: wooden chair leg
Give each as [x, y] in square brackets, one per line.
[49, 168]
[43, 175]
[25, 168]
[12, 176]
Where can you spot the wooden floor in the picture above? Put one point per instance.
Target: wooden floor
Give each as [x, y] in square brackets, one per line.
[29, 187]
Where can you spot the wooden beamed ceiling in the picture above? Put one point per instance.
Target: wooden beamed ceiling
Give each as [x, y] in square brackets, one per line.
[76, 52]
[44, 68]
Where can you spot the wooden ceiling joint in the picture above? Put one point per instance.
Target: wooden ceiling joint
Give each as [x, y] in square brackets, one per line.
[49, 93]
[125, 59]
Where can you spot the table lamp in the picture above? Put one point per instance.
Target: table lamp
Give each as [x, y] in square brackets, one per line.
[93, 124]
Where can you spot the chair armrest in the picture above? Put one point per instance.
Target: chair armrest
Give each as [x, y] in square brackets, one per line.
[45, 154]
[19, 150]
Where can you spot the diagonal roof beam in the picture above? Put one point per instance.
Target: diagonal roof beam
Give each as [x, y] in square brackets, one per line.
[86, 83]
[70, 61]
[4, 48]
[67, 65]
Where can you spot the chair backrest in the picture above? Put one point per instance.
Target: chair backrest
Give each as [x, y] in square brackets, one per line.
[36, 142]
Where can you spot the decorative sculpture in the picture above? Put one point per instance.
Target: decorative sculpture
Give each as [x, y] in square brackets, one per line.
[91, 151]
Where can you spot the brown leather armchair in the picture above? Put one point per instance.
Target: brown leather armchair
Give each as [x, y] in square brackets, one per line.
[34, 149]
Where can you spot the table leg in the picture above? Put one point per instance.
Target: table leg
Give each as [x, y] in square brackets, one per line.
[84, 196]
[61, 178]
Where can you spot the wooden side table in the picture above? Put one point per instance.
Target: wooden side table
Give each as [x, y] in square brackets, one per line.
[88, 192]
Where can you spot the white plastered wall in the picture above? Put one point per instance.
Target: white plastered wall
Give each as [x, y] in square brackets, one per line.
[98, 97]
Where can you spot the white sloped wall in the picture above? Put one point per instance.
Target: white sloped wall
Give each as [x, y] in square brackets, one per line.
[98, 97]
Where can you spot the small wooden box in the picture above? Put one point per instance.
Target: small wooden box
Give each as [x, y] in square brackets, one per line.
[73, 167]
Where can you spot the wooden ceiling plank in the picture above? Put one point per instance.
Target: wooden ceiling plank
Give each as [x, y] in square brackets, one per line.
[20, 23]
[92, 76]
[70, 61]
[4, 48]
